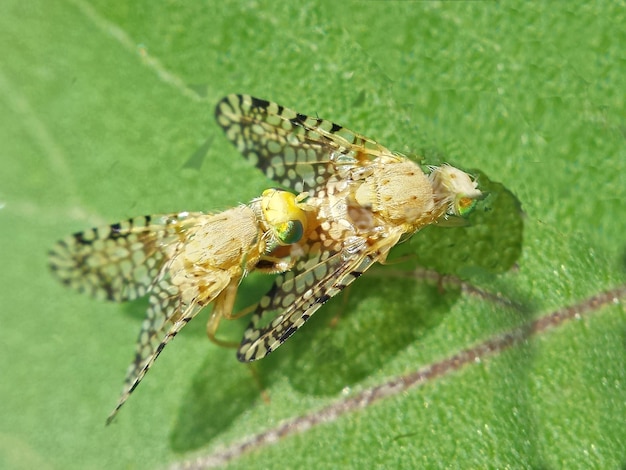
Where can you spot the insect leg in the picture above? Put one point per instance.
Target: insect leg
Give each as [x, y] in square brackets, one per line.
[223, 308]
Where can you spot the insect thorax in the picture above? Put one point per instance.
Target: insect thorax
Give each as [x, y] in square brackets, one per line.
[221, 242]
[398, 193]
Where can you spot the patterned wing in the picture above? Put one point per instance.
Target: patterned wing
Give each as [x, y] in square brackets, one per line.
[297, 294]
[125, 261]
[117, 262]
[296, 151]
[167, 315]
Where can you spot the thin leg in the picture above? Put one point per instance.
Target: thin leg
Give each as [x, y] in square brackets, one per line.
[222, 308]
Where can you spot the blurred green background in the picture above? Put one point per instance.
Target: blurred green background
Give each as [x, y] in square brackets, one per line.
[106, 112]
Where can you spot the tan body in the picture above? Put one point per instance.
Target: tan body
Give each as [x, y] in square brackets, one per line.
[366, 199]
[184, 262]
[208, 268]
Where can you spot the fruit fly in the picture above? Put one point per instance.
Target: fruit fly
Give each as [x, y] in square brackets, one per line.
[365, 199]
[183, 262]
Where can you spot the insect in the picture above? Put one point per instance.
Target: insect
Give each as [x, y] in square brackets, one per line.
[184, 262]
[366, 200]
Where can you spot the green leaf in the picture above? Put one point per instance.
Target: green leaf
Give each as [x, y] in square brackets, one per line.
[106, 112]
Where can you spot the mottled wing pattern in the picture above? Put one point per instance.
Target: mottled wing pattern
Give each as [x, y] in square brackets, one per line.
[167, 315]
[125, 261]
[297, 151]
[297, 294]
[116, 262]
[302, 153]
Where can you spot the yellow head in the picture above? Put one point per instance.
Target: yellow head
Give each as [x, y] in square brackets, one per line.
[283, 215]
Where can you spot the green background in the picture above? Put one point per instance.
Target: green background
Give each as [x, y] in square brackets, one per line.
[106, 112]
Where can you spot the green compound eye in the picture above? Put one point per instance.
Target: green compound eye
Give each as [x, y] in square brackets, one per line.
[289, 232]
[283, 216]
[464, 205]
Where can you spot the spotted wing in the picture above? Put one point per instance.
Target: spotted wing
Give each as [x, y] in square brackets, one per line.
[297, 151]
[297, 294]
[125, 261]
[118, 262]
[166, 316]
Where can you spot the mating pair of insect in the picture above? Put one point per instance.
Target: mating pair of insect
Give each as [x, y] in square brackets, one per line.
[352, 201]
